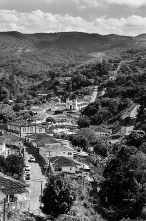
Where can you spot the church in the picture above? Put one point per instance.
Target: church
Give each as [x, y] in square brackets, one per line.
[75, 104]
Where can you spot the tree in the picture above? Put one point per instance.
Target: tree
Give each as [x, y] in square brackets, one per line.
[14, 166]
[58, 196]
[135, 139]
[83, 122]
[2, 164]
[121, 194]
[101, 148]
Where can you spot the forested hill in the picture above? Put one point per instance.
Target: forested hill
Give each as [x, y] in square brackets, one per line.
[76, 41]
[29, 62]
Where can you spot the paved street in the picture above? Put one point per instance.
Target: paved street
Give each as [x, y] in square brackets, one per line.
[94, 95]
[36, 175]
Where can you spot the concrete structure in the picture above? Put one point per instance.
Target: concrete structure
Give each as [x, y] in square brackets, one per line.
[23, 128]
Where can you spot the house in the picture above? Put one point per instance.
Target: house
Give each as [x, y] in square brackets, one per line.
[55, 149]
[100, 131]
[12, 139]
[35, 109]
[75, 104]
[22, 128]
[14, 192]
[61, 164]
[3, 149]
[82, 168]
[14, 144]
[39, 140]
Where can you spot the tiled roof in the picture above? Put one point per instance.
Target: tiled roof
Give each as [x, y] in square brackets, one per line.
[41, 139]
[44, 141]
[99, 129]
[9, 185]
[36, 136]
[57, 147]
[60, 161]
[11, 138]
[82, 104]
[2, 140]
[21, 122]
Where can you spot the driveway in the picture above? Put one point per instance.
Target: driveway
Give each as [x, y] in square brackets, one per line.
[37, 177]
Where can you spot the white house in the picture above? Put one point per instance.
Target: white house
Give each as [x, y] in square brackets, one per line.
[23, 128]
[14, 192]
[60, 164]
[55, 149]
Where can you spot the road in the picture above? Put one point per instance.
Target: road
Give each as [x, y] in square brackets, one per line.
[36, 175]
[133, 114]
[94, 95]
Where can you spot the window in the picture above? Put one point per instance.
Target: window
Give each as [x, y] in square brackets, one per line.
[31, 129]
[63, 152]
[69, 153]
[58, 169]
[24, 129]
[40, 129]
[70, 168]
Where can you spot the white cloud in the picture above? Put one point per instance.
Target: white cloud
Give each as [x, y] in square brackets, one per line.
[131, 3]
[84, 4]
[38, 21]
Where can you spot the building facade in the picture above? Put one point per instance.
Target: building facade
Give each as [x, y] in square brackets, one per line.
[23, 129]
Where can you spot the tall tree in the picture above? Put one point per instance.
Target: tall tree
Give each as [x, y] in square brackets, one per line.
[58, 196]
[121, 194]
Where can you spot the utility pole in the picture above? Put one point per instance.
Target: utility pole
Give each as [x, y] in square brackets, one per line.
[4, 210]
[48, 166]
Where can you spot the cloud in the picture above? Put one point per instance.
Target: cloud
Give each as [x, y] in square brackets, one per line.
[38, 21]
[131, 3]
[84, 4]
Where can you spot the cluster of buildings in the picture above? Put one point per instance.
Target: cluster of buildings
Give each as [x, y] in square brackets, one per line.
[57, 154]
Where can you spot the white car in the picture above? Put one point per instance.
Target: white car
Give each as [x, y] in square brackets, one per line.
[27, 168]
[32, 159]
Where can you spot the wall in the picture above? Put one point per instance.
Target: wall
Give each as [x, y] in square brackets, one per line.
[69, 169]
[31, 129]
[3, 150]
[64, 169]
[2, 196]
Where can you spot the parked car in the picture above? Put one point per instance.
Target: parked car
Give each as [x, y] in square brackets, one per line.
[27, 177]
[32, 159]
[27, 168]
[27, 172]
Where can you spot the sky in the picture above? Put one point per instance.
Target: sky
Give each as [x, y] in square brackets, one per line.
[122, 17]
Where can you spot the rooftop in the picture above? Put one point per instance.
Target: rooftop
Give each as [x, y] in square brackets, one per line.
[9, 185]
[61, 161]
[2, 140]
[58, 147]
[11, 138]
[99, 129]
[21, 122]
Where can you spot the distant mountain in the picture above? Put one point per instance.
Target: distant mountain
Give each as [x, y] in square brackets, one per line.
[75, 41]
[141, 36]
[34, 58]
